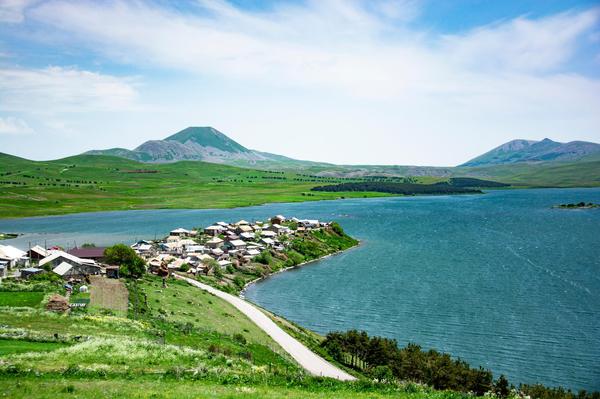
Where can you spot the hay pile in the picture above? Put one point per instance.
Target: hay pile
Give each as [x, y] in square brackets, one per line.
[57, 303]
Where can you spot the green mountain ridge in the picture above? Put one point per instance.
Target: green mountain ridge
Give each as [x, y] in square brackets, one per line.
[527, 151]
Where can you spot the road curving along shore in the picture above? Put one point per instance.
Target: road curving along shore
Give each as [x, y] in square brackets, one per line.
[311, 362]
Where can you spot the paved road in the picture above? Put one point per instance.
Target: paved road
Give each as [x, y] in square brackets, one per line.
[314, 364]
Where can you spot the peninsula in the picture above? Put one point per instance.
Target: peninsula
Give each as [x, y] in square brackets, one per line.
[579, 205]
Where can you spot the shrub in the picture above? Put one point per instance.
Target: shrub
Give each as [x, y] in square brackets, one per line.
[264, 257]
[239, 338]
[184, 267]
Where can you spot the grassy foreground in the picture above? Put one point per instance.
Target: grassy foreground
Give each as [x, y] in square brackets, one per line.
[151, 387]
[175, 342]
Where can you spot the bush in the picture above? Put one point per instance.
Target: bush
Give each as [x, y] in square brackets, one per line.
[184, 267]
[239, 338]
[264, 257]
[131, 265]
[237, 280]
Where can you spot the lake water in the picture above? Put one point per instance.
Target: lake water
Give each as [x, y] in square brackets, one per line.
[500, 280]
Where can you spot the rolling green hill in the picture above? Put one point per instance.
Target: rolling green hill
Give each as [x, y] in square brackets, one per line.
[87, 183]
[519, 151]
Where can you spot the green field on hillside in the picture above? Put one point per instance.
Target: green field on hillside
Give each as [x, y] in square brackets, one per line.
[172, 387]
[88, 183]
[177, 341]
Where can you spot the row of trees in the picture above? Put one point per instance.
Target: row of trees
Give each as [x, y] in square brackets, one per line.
[381, 358]
[396, 188]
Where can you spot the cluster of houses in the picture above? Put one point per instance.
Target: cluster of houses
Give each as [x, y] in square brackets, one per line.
[224, 243]
[221, 243]
[73, 264]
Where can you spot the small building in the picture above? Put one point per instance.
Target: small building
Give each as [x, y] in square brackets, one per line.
[195, 249]
[214, 230]
[37, 253]
[59, 257]
[236, 244]
[217, 252]
[3, 268]
[253, 252]
[243, 229]
[68, 270]
[13, 256]
[278, 219]
[242, 223]
[268, 234]
[214, 242]
[224, 264]
[247, 236]
[30, 271]
[277, 229]
[309, 223]
[268, 241]
[181, 232]
[94, 253]
[112, 271]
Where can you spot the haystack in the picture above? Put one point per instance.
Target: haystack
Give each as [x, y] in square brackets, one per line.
[57, 303]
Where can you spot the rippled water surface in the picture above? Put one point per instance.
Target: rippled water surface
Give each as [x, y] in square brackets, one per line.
[501, 279]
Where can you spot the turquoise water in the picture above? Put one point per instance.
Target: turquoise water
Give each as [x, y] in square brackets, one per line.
[500, 280]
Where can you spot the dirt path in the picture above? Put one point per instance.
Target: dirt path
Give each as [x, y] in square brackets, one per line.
[313, 363]
[108, 293]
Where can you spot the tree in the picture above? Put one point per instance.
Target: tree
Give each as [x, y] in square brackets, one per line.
[135, 269]
[501, 387]
[211, 264]
[119, 254]
[131, 265]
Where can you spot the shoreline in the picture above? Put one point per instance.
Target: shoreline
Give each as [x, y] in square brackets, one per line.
[374, 195]
[381, 196]
[285, 269]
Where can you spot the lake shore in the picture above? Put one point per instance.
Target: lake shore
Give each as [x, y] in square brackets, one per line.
[250, 283]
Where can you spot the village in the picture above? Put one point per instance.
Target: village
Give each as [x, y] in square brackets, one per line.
[221, 249]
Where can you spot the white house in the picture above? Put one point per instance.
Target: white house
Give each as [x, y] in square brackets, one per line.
[13, 257]
[179, 232]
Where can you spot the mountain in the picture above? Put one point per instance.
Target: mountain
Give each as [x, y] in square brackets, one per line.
[527, 151]
[201, 144]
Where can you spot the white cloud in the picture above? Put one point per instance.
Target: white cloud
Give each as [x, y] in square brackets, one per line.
[11, 11]
[522, 44]
[336, 44]
[57, 89]
[12, 125]
[418, 94]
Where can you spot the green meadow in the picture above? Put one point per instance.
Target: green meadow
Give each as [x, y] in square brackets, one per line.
[88, 183]
[175, 342]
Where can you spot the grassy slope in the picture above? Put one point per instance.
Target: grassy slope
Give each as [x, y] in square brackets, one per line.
[580, 174]
[105, 184]
[29, 387]
[88, 183]
[178, 342]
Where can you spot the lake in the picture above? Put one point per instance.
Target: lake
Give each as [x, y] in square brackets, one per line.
[500, 280]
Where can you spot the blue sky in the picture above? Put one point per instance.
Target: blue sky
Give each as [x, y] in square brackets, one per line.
[344, 81]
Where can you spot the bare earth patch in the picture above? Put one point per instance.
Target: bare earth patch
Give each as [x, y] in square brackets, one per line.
[108, 293]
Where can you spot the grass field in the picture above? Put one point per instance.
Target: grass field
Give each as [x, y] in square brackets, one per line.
[52, 388]
[10, 346]
[88, 183]
[31, 299]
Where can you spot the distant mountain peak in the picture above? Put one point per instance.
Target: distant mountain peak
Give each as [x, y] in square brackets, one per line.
[207, 136]
[530, 151]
